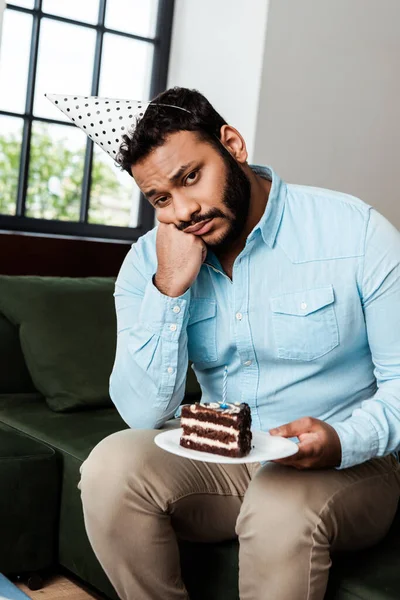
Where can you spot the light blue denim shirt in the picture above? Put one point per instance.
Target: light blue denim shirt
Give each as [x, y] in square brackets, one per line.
[309, 325]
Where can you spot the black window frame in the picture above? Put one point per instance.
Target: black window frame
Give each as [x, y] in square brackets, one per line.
[161, 43]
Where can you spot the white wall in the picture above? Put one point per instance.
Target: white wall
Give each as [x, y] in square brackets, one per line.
[2, 6]
[329, 107]
[217, 48]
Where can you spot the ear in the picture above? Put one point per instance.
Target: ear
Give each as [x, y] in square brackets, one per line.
[234, 143]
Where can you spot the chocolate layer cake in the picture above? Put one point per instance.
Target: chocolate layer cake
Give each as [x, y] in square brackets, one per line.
[219, 429]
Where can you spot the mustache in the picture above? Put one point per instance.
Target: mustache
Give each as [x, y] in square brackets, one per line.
[212, 214]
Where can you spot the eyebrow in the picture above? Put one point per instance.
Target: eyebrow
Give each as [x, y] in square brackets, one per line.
[173, 179]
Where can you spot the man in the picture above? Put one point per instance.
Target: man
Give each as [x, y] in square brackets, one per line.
[297, 289]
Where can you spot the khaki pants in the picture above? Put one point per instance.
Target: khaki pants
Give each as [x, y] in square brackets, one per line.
[138, 498]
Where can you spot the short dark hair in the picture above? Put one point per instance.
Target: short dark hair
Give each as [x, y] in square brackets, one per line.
[162, 119]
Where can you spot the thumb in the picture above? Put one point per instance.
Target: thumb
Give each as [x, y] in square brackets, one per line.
[294, 429]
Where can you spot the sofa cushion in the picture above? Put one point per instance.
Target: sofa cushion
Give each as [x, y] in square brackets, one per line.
[28, 503]
[14, 376]
[67, 330]
[75, 433]
[72, 435]
[193, 390]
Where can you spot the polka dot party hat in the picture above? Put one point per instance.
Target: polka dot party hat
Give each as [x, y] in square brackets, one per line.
[104, 120]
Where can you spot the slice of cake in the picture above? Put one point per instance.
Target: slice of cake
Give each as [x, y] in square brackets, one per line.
[217, 428]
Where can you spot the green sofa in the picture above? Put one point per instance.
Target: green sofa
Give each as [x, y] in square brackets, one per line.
[57, 343]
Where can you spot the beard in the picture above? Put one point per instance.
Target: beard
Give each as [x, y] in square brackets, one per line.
[236, 198]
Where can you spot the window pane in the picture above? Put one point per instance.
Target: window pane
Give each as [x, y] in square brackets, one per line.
[23, 3]
[65, 64]
[14, 60]
[55, 172]
[132, 16]
[114, 81]
[10, 150]
[114, 198]
[86, 10]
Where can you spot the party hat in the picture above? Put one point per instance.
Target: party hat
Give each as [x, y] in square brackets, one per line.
[104, 120]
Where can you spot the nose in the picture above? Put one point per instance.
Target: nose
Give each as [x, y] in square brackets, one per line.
[185, 207]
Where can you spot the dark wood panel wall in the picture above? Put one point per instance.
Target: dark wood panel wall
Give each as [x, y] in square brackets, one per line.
[24, 254]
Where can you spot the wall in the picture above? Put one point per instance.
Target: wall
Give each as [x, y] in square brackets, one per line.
[217, 48]
[329, 106]
[2, 6]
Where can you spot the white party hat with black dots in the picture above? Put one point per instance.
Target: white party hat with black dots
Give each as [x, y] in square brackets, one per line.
[104, 120]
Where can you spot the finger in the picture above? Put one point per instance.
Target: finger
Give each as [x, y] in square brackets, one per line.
[204, 253]
[305, 463]
[295, 428]
[301, 465]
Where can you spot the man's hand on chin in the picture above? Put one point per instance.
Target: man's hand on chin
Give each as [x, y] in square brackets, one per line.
[319, 444]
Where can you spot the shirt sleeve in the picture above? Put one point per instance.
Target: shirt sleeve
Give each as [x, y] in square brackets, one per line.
[147, 382]
[374, 427]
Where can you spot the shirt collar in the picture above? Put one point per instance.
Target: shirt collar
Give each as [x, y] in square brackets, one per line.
[269, 223]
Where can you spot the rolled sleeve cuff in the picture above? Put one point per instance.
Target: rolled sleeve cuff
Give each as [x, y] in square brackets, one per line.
[359, 442]
[163, 315]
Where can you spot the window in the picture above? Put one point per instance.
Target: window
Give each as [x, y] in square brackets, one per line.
[53, 179]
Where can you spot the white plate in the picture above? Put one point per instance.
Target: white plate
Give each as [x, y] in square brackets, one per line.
[264, 447]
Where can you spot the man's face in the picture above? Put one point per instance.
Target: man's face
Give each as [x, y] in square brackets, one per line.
[191, 185]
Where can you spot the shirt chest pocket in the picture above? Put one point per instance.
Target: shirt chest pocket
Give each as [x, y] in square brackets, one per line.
[202, 330]
[304, 323]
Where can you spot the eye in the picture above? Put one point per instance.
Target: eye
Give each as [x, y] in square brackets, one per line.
[160, 200]
[191, 177]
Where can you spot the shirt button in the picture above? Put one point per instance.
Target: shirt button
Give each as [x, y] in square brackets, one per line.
[172, 327]
[239, 316]
[247, 363]
[170, 370]
[303, 305]
[176, 309]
